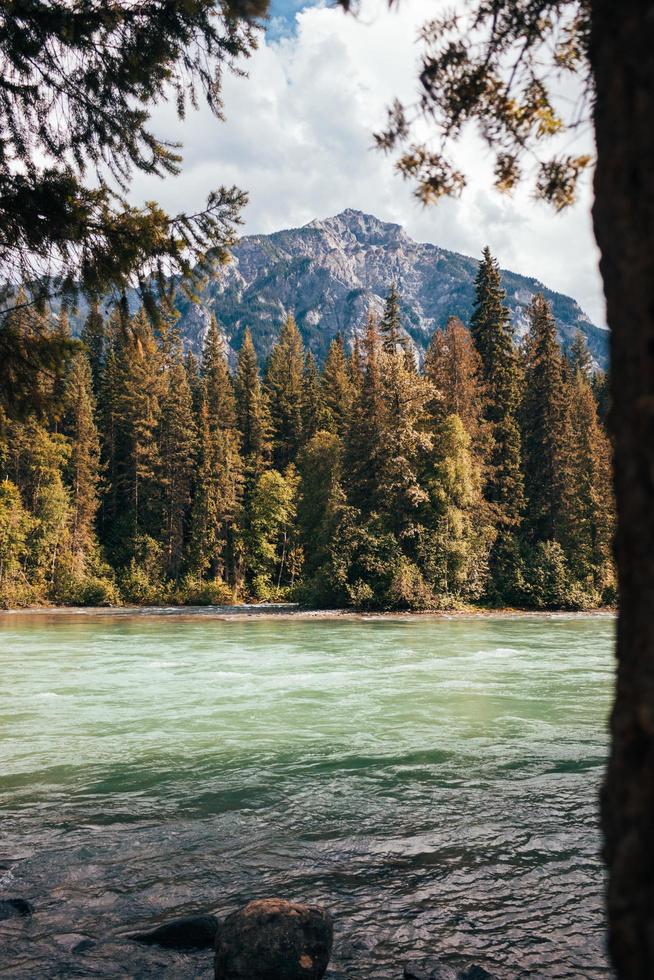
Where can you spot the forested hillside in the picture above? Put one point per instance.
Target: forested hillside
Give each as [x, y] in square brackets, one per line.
[146, 475]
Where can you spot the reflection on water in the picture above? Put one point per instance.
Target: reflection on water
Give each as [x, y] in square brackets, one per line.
[433, 782]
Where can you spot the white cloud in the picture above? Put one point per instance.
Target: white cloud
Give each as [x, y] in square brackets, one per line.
[298, 137]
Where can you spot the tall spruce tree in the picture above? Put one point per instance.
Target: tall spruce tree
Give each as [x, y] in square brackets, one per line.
[405, 443]
[391, 322]
[285, 389]
[365, 445]
[547, 438]
[139, 389]
[591, 516]
[217, 385]
[177, 454]
[109, 420]
[338, 389]
[579, 356]
[215, 539]
[491, 331]
[252, 413]
[320, 498]
[83, 467]
[313, 408]
[93, 336]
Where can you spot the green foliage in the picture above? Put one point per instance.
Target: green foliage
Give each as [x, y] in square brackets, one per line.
[547, 437]
[15, 526]
[550, 584]
[154, 482]
[285, 390]
[454, 550]
[141, 581]
[272, 557]
[193, 590]
[407, 588]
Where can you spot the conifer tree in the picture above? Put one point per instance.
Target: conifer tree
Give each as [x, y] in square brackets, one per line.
[93, 337]
[602, 395]
[547, 440]
[365, 446]
[454, 367]
[405, 443]
[41, 458]
[355, 364]
[320, 497]
[109, 420]
[391, 322]
[216, 503]
[177, 454]
[192, 368]
[579, 356]
[218, 391]
[253, 416]
[338, 389]
[284, 387]
[139, 389]
[215, 540]
[84, 463]
[492, 334]
[591, 516]
[313, 410]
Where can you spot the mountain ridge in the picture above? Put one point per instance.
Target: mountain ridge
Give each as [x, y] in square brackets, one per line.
[329, 272]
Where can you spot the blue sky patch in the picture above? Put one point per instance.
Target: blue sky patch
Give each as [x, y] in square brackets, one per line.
[282, 16]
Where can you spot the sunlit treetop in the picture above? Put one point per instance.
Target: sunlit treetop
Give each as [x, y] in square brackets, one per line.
[497, 64]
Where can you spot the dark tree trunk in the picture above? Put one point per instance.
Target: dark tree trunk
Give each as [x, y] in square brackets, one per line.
[622, 52]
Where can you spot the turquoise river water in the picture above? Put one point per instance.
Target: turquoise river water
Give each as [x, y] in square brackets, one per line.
[433, 782]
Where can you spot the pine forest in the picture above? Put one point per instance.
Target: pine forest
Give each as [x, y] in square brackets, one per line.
[143, 475]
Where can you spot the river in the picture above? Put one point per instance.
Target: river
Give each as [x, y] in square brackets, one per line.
[433, 782]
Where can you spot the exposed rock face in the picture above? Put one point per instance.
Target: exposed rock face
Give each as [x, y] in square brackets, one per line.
[13, 908]
[273, 939]
[330, 273]
[187, 932]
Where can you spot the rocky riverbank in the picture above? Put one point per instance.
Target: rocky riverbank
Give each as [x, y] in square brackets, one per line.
[268, 939]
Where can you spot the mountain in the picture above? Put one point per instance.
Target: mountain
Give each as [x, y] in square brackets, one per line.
[330, 273]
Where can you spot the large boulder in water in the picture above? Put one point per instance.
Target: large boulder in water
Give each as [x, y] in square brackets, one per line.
[188, 932]
[272, 939]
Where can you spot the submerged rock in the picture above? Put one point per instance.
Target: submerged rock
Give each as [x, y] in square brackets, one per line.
[476, 973]
[12, 908]
[188, 932]
[84, 946]
[273, 939]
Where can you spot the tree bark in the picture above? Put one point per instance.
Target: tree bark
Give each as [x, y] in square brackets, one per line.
[622, 55]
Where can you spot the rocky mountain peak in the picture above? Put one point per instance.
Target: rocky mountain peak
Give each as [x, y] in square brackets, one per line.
[353, 227]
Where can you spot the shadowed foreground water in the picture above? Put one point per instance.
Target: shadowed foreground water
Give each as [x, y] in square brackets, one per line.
[433, 782]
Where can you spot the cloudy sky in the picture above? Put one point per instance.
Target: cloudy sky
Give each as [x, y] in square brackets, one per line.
[298, 139]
